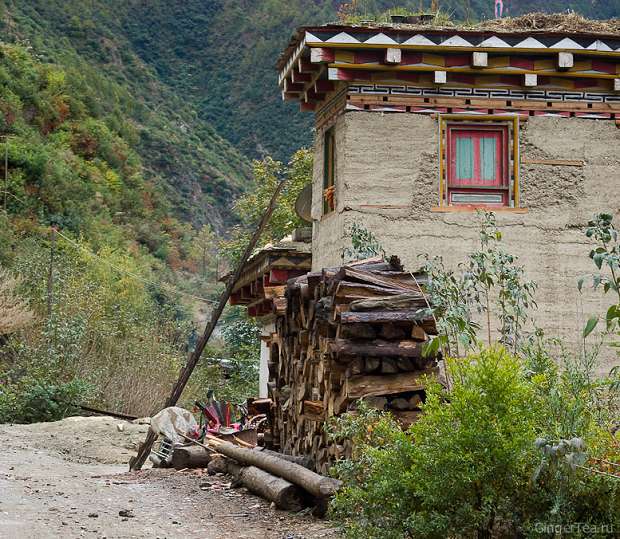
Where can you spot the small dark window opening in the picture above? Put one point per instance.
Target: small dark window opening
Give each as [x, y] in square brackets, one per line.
[329, 171]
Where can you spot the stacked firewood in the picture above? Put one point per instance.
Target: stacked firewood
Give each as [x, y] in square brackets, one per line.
[343, 334]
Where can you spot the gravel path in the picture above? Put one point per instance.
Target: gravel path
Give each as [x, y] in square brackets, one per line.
[69, 479]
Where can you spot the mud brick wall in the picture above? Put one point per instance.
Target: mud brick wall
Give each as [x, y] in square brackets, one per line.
[387, 179]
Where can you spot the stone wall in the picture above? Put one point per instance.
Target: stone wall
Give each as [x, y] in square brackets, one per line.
[387, 180]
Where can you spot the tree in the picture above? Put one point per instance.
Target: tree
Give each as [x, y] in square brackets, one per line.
[252, 205]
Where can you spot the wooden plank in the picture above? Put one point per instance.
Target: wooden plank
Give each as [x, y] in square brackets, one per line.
[350, 317]
[410, 300]
[376, 348]
[368, 277]
[360, 386]
[554, 162]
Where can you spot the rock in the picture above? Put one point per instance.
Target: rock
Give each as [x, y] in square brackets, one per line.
[128, 513]
[93, 515]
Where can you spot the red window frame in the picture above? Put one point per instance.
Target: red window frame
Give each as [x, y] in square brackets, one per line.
[495, 191]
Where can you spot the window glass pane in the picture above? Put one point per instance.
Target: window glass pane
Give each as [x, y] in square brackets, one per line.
[488, 158]
[464, 158]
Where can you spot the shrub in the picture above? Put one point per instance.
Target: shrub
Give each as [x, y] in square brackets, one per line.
[30, 400]
[472, 466]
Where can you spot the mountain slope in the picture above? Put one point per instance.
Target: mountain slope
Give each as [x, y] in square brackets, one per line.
[200, 171]
[203, 75]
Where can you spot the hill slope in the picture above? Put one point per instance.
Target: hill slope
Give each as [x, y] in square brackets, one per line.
[199, 171]
[203, 75]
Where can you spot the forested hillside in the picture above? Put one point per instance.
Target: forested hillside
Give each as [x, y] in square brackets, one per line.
[127, 126]
[202, 68]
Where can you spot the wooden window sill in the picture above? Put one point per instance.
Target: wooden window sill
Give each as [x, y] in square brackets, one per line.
[471, 209]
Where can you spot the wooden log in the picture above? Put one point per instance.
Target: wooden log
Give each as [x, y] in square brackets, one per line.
[313, 410]
[376, 348]
[347, 290]
[357, 387]
[390, 332]
[190, 457]
[359, 331]
[315, 484]
[388, 366]
[418, 333]
[390, 303]
[275, 489]
[369, 277]
[302, 460]
[406, 364]
[378, 317]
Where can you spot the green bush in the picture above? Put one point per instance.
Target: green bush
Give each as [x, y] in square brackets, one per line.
[31, 400]
[472, 466]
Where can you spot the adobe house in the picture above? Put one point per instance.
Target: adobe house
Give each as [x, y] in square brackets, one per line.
[417, 127]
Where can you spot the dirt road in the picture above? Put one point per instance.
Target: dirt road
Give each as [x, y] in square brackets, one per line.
[69, 479]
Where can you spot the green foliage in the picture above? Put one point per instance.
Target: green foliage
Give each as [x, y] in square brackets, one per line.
[250, 207]
[92, 68]
[31, 400]
[606, 258]
[364, 244]
[482, 460]
[489, 282]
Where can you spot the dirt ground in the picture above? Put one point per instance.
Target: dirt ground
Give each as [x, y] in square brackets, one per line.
[69, 479]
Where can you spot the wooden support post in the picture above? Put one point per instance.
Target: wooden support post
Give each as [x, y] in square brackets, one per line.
[531, 80]
[441, 77]
[393, 56]
[565, 61]
[136, 462]
[480, 59]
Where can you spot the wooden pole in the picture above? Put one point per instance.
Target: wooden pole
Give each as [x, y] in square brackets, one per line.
[136, 462]
[6, 172]
[50, 274]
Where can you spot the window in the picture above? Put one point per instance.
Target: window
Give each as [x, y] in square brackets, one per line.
[329, 171]
[478, 165]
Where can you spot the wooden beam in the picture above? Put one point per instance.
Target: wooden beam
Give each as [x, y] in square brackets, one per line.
[530, 80]
[370, 386]
[290, 96]
[393, 56]
[554, 162]
[565, 61]
[324, 86]
[291, 87]
[304, 66]
[298, 77]
[441, 77]
[480, 59]
[322, 55]
[311, 95]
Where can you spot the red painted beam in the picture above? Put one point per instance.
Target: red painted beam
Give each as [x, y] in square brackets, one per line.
[324, 86]
[297, 77]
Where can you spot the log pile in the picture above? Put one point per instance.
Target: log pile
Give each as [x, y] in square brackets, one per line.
[343, 334]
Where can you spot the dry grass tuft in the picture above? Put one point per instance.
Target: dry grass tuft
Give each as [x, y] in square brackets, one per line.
[15, 313]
